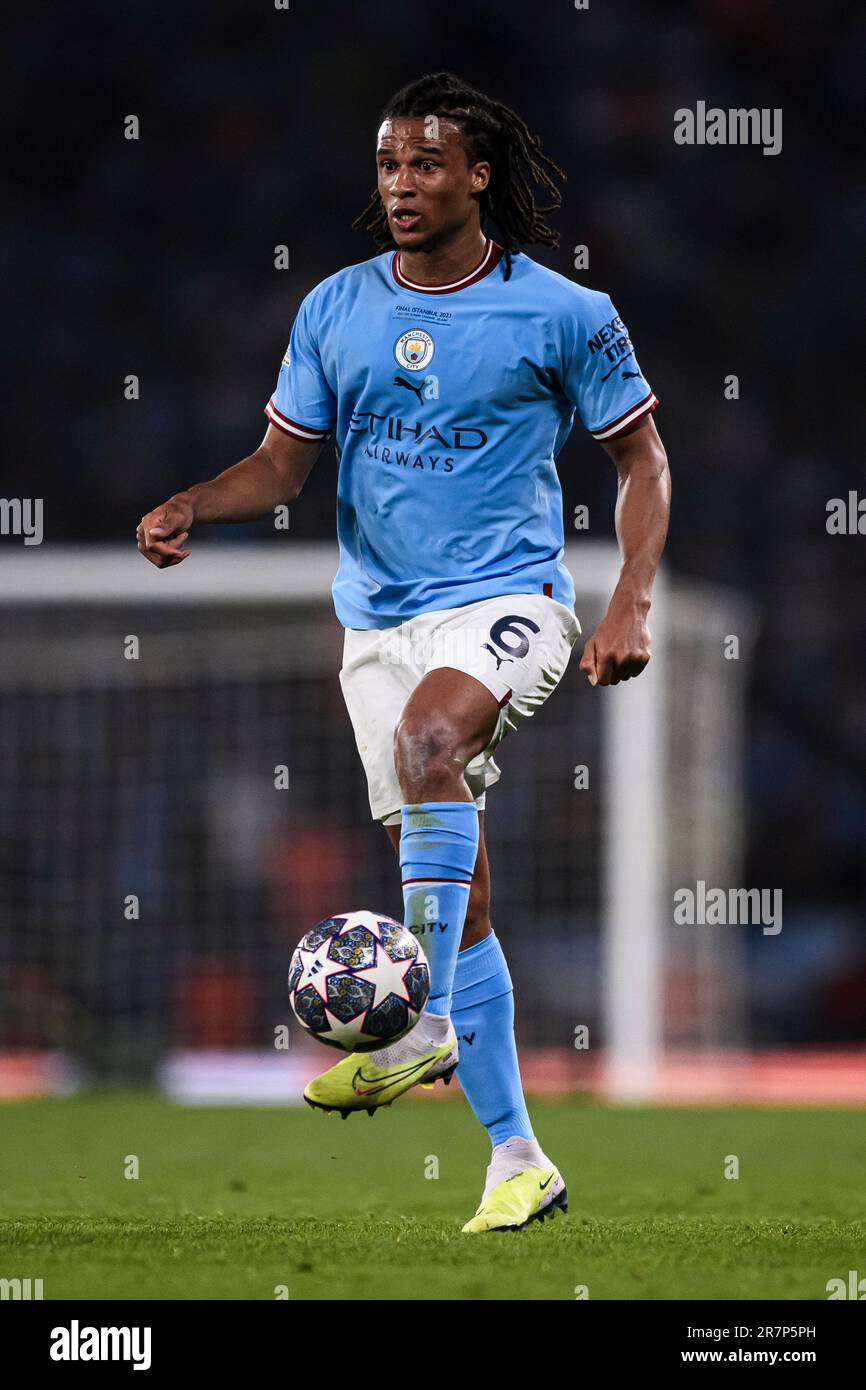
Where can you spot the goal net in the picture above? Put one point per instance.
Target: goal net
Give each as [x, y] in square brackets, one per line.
[181, 799]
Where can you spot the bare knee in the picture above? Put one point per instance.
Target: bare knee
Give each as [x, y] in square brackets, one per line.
[428, 757]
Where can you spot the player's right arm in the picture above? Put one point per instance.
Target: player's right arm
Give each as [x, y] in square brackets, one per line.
[301, 414]
[248, 491]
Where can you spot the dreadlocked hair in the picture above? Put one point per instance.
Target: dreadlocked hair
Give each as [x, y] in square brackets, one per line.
[491, 131]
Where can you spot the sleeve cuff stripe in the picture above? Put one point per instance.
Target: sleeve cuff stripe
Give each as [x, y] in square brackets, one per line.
[622, 422]
[288, 426]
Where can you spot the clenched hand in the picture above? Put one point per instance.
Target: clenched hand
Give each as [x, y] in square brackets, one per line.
[618, 649]
[161, 533]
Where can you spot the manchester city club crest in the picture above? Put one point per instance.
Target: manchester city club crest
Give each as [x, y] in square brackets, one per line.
[413, 350]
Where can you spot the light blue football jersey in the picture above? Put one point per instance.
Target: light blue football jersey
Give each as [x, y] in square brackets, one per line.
[449, 407]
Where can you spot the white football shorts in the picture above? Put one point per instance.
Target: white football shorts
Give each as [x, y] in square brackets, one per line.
[518, 646]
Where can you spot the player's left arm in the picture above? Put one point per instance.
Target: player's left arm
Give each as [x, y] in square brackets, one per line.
[620, 646]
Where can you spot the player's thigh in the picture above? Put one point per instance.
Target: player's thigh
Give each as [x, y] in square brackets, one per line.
[377, 679]
[518, 647]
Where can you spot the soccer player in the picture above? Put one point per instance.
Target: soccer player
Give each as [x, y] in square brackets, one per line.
[449, 369]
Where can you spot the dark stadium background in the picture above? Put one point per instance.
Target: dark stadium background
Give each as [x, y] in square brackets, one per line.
[156, 257]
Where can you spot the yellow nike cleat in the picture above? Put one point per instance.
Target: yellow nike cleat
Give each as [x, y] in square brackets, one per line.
[369, 1080]
[530, 1195]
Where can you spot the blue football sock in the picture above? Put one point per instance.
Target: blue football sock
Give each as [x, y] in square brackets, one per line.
[482, 1012]
[438, 847]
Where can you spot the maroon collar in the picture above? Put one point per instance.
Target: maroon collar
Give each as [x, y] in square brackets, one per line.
[493, 254]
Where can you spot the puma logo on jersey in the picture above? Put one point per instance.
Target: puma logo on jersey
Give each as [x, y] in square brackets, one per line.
[401, 381]
[618, 365]
[499, 659]
[467, 1038]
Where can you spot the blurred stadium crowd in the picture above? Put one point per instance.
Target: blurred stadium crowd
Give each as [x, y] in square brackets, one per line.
[156, 257]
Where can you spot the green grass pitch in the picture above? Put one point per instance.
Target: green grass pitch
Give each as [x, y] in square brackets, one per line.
[233, 1203]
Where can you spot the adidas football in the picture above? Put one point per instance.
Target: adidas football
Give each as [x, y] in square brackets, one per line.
[358, 981]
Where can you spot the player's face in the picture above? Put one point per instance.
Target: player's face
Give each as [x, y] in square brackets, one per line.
[427, 186]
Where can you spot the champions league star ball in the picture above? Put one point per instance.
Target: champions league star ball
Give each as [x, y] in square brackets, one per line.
[358, 981]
